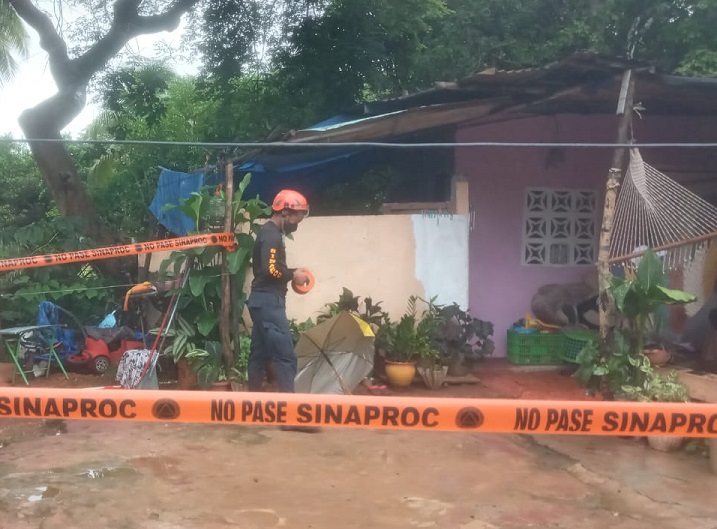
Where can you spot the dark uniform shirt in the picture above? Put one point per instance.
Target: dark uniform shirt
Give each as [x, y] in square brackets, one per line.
[269, 261]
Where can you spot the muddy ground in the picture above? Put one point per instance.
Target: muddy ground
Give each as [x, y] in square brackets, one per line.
[99, 475]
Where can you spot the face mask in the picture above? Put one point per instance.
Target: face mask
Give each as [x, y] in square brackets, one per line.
[290, 228]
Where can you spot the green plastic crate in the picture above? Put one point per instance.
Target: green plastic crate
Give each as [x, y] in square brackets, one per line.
[575, 340]
[538, 348]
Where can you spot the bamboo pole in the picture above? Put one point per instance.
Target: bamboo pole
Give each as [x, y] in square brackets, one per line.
[225, 314]
[671, 246]
[624, 109]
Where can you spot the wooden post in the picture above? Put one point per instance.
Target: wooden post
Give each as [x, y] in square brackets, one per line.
[225, 316]
[614, 177]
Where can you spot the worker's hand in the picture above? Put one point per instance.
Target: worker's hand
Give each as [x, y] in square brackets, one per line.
[300, 277]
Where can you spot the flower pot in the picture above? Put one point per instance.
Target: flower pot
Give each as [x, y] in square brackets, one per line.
[657, 356]
[434, 376]
[457, 365]
[400, 374]
[186, 376]
[666, 443]
[223, 385]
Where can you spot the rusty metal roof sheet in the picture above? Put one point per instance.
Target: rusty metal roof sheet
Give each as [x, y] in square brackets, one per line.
[582, 83]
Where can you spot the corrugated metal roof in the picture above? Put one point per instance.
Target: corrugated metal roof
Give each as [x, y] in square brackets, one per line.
[584, 83]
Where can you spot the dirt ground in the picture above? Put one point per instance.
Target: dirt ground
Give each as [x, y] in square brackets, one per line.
[109, 475]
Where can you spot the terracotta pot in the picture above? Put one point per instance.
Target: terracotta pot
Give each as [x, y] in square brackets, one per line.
[657, 356]
[186, 376]
[665, 443]
[224, 385]
[400, 374]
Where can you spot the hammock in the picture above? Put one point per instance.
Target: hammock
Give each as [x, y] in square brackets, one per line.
[653, 211]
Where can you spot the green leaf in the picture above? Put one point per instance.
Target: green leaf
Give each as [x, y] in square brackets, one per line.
[206, 322]
[649, 271]
[675, 296]
[197, 282]
[237, 260]
[242, 187]
[634, 303]
[620, 289]
[634, 361]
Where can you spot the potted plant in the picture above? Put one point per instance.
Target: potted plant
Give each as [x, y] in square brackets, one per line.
[461, 339]
[659, 343]
[201, 295]
[623, 364]
[404, 343]
[181, 342]
[640, 299]
[433, 371]
[208, 364]
[660, 388]
[609, 374]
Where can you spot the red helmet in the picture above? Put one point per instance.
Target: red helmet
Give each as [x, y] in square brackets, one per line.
[289, 199]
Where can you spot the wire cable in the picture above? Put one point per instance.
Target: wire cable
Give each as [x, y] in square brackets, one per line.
[387, 145]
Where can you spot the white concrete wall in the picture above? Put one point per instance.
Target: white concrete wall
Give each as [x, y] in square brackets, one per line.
[385, 257]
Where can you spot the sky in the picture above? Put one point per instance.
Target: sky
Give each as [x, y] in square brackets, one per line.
[33, 82]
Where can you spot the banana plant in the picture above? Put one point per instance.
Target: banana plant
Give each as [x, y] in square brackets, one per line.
[640, 297]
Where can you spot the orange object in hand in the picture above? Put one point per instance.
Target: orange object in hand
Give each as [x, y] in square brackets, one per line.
[305, 288]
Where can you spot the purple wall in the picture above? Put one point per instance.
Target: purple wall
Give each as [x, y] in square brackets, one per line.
[500, 286]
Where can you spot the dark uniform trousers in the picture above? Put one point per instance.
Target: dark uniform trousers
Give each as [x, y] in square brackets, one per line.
[270, 341]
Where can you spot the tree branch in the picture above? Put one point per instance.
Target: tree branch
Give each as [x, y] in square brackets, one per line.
[167, 21]
[50, 40]
[127, 24]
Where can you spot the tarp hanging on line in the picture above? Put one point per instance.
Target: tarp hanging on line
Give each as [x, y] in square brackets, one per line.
[306, 170]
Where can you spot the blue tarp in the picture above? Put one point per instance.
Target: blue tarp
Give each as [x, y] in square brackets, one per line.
[174, 186]
[306, 170]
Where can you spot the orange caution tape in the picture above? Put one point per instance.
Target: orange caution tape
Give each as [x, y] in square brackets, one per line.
[180, 243]
[305, 288]
[408, 413]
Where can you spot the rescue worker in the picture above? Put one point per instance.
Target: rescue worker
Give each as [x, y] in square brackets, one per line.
[271, 342]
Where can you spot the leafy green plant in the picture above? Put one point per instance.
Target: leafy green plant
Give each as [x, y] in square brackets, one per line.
[77, 287]
[366, 309]
[241, 367]
[638, 299]
[620, 370]
[182, 336]
[461, 335]
[208, 362]
[297, 328]
[410, 338]
[201, 297]
[658, 388]
[610, 374]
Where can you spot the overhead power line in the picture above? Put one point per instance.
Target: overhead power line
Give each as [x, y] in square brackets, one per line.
[387, 145]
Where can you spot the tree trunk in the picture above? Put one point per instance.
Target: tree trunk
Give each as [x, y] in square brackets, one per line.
[59, 171]
[613, 183]
[72, 76]
[60, 174]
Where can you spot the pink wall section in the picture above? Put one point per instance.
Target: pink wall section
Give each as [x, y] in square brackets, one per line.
[500, 286]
